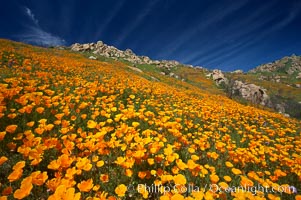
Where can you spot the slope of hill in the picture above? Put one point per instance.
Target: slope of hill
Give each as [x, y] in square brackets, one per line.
[274, 86]
[282, 82]
[76, 128]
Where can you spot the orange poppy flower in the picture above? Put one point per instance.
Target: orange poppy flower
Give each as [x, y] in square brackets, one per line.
[11, 128]
[100, 163]
[91, 124]
[2, 135]
[129, 172]
[298, 197]
[15, 175]
[85, 186]
[63, 193]
[39, 178]
[228, 164]
[104, 178]
[40, 110]
[236, 171]
[7, 191]
[3, 159]
[227, 178]
[25, 188]
[120, 190]
[179, 179]
[135, 124]
[39, 130]
[245, 182]
[214, 178]
[177, 197]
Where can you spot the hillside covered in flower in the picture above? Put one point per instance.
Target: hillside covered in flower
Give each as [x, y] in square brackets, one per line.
[74, 128]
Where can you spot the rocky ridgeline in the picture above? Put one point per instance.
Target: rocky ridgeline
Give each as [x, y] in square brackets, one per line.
[289, 65]
[282, 70]
[105, 50]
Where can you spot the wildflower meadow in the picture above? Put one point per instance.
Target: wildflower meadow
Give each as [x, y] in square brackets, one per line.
[74, 128]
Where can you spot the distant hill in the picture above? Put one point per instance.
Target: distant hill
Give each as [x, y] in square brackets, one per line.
[281, 81]
[290, 65]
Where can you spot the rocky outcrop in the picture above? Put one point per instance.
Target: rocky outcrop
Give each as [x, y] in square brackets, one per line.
[288, 65]
[102, 49]
[251, 92]
[218, 77]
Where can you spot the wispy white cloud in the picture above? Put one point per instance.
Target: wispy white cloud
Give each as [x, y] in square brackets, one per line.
[245, 46]
[210, 17]
[31, 15]
[235, 33]
[148, 8]
[34, 34]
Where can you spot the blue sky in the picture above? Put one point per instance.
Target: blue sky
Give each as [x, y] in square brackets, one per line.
[224, 34]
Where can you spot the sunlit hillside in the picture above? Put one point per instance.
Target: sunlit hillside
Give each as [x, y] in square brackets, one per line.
[74, 128]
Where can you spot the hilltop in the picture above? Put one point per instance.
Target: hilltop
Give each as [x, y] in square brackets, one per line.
[290, 65]
[79, 128]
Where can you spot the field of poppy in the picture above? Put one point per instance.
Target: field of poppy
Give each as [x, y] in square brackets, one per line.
[74, 128]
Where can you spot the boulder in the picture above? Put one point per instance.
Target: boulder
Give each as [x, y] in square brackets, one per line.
[280, 108]
[128, 52]
[76, 47]
[92, 58]
[135, 69]
[218, 77]
[99, 44]
[251, 92]
[86, 47]
[155, 79]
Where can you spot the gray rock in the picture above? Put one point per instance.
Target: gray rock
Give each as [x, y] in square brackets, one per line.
[155, 79]
[251, 92]
[218, 77]
[99, 44]
[238, 71]
[92, 58]
[76, 47]
[135, 69]
[86, 47]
